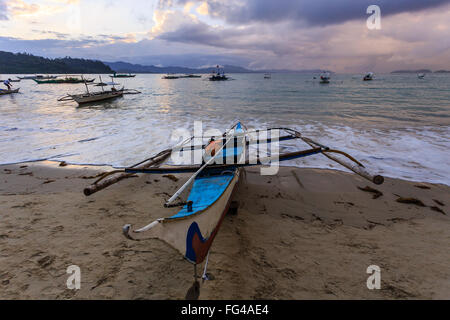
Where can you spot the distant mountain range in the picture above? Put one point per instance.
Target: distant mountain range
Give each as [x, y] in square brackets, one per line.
[420, 71]
[126, 67]
[23, 63]
[137, 68]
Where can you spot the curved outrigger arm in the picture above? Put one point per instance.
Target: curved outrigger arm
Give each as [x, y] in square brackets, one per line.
[126, 229]
[357, 167]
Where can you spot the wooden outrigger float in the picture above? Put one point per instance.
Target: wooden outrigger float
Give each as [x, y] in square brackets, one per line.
[192, 230]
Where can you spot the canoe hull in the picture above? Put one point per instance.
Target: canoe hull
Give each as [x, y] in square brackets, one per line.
[193, 235]
[4, 92]
[191, 231]
[82, 99]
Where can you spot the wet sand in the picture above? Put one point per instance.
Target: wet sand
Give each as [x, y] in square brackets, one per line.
[303, 234]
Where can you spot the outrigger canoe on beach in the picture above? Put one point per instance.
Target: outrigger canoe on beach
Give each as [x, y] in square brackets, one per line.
[192, 230]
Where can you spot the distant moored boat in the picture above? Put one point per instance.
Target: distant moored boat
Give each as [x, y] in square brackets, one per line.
[368, 76]
[218, 75]
[170, 76]
[123, 75]
[325, 77]
[67, 79]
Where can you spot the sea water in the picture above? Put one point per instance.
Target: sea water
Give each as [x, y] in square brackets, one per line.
[396, 125]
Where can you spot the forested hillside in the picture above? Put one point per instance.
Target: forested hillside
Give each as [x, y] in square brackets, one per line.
[23, 63]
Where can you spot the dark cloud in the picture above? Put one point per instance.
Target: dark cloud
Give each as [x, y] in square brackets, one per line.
[196, 60]
[276, 39]
[312, 12]
[200, 33]
[3, 8]
[48, 46]
[411, 41]
[55, 48]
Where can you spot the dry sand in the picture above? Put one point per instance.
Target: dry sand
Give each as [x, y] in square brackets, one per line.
[303, 234]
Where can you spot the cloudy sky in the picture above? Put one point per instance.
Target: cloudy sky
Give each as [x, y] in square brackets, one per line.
[258, 34]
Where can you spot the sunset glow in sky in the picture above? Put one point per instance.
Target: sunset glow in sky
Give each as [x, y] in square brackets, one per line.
[282, 34]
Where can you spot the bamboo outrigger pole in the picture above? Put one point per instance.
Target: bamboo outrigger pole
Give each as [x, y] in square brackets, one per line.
[106, 182]
[108, 179]
[151, 165]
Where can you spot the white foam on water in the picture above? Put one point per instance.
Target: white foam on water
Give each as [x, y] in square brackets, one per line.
[411, 154]
[398, 127]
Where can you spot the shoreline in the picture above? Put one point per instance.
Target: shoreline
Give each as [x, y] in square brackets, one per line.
[111, 167]
[303, 234]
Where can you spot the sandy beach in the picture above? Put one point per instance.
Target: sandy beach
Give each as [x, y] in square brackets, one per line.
[303, 234]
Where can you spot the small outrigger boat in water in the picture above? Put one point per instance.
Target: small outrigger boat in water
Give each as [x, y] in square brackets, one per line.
[218, 75]
[190, 76]
[192, 230]
[421, 75]
[90, 97]
[368, 76]
[4, 92]
[170, 76]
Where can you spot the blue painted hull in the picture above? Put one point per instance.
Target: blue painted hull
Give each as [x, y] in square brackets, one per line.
[192, 230]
